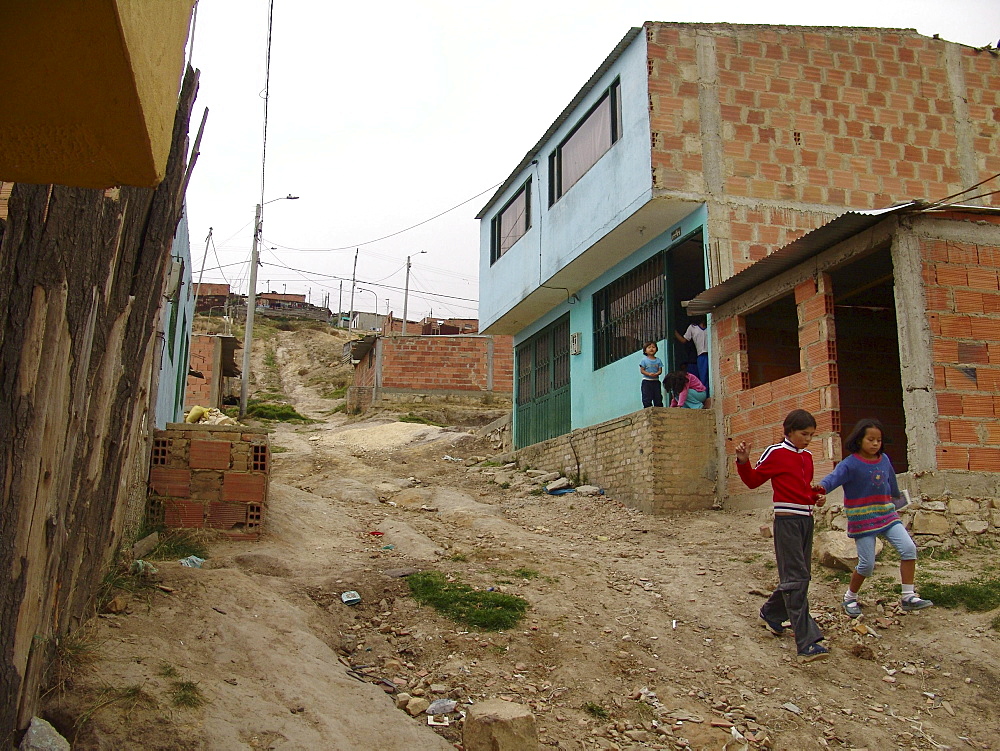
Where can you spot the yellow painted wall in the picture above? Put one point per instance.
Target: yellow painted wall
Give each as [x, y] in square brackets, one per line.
[90, 89]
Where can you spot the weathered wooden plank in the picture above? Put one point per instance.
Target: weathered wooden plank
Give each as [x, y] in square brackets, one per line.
[81, 282]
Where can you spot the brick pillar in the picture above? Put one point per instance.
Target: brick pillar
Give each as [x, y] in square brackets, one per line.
[818, 352]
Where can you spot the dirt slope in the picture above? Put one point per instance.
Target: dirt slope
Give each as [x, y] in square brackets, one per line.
[620, 602]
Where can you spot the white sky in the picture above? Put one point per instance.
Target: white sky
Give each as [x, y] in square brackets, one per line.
[385, 114]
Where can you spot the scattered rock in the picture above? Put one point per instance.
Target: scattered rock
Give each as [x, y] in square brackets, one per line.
[791, 708]
[417, 705]
[561, 483]
[497, 725]
[41, 736]
[441, 706]
[588, 490]
[837, 551]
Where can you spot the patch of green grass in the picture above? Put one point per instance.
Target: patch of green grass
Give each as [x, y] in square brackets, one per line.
[335, 393]
[490, 611]
[72, 653]
[269, 359]
[177, 544]
[166, 670]
[410, 417]
[280, 449]
[186, 694]
[995, 623]
[596, 710]
[977, 595]
[458, 557]
[276, 412]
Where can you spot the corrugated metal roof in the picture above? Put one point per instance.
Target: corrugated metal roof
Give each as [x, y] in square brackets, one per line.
[811, 244]
[564, 115]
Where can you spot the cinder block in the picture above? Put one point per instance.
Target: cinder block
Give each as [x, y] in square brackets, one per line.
[210, 454]
[249, 488]
[170, 482]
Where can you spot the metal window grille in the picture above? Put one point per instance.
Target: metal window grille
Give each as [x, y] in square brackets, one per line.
[523, 375]
[630, 311]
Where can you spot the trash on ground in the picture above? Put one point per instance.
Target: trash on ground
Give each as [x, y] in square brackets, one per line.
[441, 706]
[143, 567]
[350, 598]
[192, 561]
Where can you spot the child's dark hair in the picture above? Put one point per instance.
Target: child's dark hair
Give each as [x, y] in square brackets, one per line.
[647, 345]
[798, 419]
[852, 443]
[675, 381]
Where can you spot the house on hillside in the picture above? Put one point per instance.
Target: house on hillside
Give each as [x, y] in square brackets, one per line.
[693, 153]
[211, 298]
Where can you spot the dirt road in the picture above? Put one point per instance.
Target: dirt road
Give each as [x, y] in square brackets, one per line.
[642, 632]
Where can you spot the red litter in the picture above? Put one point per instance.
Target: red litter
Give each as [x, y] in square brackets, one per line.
[376, 533]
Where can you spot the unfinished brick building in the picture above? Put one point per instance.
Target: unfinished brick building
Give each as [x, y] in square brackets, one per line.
[713, 146]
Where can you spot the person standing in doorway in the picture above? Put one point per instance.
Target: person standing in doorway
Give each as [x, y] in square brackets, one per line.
[698, 335]
[651, 368]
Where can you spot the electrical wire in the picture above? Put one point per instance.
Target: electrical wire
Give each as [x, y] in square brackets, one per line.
[353, 246]
[215, 251]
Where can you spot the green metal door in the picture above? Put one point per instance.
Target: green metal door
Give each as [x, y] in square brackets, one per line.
[543, 388]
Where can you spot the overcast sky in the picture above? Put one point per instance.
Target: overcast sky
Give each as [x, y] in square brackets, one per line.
[383, 115]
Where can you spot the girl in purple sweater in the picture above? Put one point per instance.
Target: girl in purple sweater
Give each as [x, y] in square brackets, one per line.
[869, 488]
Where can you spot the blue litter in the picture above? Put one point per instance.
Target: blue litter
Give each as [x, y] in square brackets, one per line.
[561, 491]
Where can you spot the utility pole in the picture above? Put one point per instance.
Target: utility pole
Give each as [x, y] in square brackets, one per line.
[197, 290]
[354, 276]
[251, 307]
[406, 289]
[340, 306]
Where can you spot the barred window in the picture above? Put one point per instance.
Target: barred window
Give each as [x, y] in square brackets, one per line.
[629, 312]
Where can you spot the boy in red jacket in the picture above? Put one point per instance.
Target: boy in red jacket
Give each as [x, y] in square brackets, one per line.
[789, 467]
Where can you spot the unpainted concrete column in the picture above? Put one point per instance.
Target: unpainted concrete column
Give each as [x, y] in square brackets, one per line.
[964, 133]
[916, 370]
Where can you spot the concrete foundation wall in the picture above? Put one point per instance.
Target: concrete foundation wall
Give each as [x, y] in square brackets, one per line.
[657, 460]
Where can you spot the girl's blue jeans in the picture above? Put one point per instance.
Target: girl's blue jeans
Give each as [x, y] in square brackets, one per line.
[897, 535]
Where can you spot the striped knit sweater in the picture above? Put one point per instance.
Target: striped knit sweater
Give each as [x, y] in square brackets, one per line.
[869, 487]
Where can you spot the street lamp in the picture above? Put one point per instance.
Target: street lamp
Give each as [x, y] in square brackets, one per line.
[376, 299]
[406, 289]
[252, 302]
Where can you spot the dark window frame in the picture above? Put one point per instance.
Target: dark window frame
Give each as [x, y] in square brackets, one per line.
[781, 343]
[630, 311]
[496, 235]
[556, 188]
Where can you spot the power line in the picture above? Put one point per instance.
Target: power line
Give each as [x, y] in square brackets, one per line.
[352, 246]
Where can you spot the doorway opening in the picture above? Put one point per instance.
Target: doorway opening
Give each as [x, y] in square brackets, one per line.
[868, 350]
[686, 279]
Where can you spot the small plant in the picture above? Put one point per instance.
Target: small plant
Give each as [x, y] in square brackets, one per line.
[276, 412]
[166, 670]
[458, 557]
[978, 595]
[505, 485]
[129, 696]
[995, 623]
[336, 393]
[596, 710]
[269, 359]
[177, 544]
[73, 652]
[490, 611]
[186, 694]
[280, 449]
[526, 573]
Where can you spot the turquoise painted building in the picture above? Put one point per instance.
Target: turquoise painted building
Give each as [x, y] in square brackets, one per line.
[174, 336]
[583, 258]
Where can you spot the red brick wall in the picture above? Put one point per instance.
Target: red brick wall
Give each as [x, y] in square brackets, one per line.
[962, 285]
[851, 118]
[199, 390]
[756, 414]
[441, 363]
